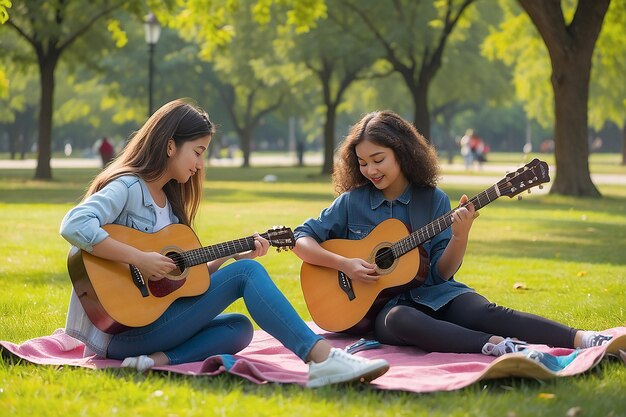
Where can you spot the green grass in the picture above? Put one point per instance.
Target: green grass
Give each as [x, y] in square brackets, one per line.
[568, 254]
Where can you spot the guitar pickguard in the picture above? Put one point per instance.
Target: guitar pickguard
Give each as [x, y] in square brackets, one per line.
[345, 283]
[165, 286]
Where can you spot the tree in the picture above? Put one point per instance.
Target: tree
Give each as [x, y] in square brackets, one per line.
[51, 28]
[251, 79]
[336, 59]
[469, 84]
[570, 47]
[413, 36]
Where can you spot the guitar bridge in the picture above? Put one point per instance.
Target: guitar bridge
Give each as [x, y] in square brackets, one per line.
[139, 281]
[345, 283]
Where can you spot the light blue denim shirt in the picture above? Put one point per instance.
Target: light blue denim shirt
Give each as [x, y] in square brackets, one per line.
[354, 214]
[126, 201]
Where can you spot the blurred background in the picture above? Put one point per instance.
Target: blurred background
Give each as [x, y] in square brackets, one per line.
[290, 76]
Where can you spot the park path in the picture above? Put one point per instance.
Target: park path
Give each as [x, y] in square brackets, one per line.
[472, 177]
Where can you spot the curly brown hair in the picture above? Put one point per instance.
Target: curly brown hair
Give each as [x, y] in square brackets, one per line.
[417, 158]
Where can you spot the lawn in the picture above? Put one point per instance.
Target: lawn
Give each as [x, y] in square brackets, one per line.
[568, 254]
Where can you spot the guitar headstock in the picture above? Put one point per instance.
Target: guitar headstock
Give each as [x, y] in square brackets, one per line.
[280, 237]
[532, 174]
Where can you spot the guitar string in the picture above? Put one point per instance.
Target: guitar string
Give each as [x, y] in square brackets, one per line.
[208, 253]
[408, 243]
[205, 254]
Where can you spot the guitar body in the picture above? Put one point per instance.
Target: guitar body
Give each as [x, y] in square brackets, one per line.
[108, 293]
[339, 304]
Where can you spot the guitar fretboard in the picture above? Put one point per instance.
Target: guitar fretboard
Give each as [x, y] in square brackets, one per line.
[209, 253]
[440, 224]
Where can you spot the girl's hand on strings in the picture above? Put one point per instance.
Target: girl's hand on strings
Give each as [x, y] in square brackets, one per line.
[360, 270]
[462, 219]
[261, 246]
[154, 265]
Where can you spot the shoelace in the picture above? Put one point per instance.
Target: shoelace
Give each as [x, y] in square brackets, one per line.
[511, 346]
[347, 356]
[504, 347]
[599, 340]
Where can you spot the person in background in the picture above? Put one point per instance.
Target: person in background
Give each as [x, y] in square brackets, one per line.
[466, 151]
[106, 151]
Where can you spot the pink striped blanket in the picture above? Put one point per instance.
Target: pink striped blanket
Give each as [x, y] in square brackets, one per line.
[266, 360]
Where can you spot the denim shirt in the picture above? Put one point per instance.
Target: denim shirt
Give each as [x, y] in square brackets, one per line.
[126, 201]
[354, 214]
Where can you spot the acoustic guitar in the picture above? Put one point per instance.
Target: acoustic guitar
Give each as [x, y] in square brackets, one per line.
[339, 304]
[116, 296]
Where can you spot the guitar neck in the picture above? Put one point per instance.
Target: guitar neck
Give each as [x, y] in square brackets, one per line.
[220, 250]
[425, 233]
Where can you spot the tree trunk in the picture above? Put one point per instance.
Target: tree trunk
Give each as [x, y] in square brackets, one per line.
[421, 115]
[571, 48]
[624, 144]
[246, 144]
[329, 138]
[13, 138]
[570, 81]
[47, 65]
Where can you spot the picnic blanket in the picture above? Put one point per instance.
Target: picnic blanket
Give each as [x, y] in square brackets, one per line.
[266, 360]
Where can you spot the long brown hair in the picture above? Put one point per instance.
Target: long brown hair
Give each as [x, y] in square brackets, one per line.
[416, 157]
[145, 155]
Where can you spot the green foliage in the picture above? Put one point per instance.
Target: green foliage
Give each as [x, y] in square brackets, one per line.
[4, 84]
[263, 50]
[4, 13]
[607, 90]
[211, 24]
[515, 41]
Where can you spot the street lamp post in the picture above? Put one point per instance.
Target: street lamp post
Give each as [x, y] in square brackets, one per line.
[153, 31]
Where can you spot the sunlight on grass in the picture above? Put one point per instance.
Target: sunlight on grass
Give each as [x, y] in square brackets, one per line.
[555, 256]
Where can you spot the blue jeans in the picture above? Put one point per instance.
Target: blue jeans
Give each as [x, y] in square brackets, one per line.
[192, 328]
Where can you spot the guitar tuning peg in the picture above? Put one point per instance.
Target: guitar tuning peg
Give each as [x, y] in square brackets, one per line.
[519, 197]
[541, 186]
[529, 191]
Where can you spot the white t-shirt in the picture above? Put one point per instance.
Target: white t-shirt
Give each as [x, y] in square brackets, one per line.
[162, 216]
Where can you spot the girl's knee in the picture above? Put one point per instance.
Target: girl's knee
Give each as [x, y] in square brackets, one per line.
[243, 324]
[243, 331]
[397, 317]
[251, 267]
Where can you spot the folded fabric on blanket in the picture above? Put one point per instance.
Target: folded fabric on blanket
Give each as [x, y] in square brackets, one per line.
[266, 360]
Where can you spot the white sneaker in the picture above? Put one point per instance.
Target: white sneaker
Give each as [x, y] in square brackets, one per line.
[343, 367]
[141, 363]
[591, 339]
[504, 347]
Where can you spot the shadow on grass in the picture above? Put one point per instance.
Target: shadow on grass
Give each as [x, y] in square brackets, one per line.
[568, 241]
[256, 174]
[231, 195]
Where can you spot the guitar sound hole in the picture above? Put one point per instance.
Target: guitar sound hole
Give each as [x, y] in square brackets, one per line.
[179, 261]
[384, 258]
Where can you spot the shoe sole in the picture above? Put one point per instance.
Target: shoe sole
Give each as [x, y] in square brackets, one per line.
[366, 377]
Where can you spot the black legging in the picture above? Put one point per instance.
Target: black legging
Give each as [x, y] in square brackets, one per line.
[464, 325]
